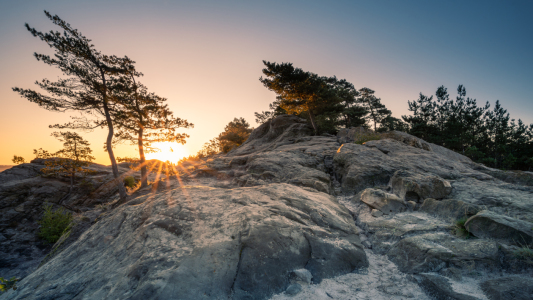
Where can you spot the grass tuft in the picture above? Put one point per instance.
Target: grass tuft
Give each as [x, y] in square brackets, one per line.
[460, 229]
[362, 138]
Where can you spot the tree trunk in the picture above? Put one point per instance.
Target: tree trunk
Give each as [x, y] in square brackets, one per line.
[109, 144]
[144, 174]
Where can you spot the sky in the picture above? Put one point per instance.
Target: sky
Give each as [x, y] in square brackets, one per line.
[206, 57]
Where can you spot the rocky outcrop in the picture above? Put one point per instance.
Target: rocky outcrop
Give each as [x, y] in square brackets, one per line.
[432, 252]
[487, 224]
[449, 209]
[417, 188]
[510, 287]
[200, 242]
[386, 203]
[23, 192]
[441, 289]
[285, 214]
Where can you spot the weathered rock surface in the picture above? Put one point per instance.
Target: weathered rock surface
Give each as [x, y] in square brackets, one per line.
[440, 288]
[264, 220]
[431, 252]
[385, 202]
[22, 195]
[204, 243]
[511, 287]
[487, 224]
[449, 209]
[415, 187]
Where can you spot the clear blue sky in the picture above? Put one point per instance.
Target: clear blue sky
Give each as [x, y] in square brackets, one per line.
[205, 56]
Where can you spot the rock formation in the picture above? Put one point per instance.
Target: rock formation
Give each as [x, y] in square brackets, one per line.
[286, 215]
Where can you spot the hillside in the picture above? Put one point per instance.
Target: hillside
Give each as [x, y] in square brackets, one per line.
[285, 215]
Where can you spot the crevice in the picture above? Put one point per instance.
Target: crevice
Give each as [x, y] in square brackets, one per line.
[232, 288]
[310, 256]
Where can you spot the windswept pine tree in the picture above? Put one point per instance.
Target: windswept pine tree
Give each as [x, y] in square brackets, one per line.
[326, 101]
[89, 76]
[144, 118]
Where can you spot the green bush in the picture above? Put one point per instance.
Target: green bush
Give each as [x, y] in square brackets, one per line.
[362, 138]
[6, 284]
[129, 181]
[460, 229]
[54, 223]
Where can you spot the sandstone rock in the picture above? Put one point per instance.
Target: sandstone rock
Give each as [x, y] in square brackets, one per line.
[500, 197]
[385, 233]
[511, 287]
[204, 242]
[293, 289]
[361, 166]
[376, 213]
[441, 289]
[432, 252]
[452, 273]
[302, 275]
[411, 205]
[487, 224]
[449, 209]
[416, 187]
[385, 202]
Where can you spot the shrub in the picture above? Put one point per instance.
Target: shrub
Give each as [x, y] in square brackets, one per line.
[129, 181]
[362, 138]
[54, 223]
[6, 284]
[460, 229]
[525, 253]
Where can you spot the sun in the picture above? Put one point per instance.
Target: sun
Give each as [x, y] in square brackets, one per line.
[171, 152]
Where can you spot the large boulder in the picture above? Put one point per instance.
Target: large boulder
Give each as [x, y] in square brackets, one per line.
[373, 164]
[416, 187]
[487, 224]
[204, 243]
[432, 252]
[441, 288]
[509, 287]
[449, 209]
[385, 202]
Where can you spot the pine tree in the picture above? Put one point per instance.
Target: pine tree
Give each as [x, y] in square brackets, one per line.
[86, 87]
[235, 133]
[71, 160]
[321, 99]
[144, 118]
[377, 111]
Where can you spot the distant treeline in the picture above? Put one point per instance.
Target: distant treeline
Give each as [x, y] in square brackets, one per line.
[486, 135]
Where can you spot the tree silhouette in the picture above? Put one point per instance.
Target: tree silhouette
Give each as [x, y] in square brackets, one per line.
[377, 112]
[71, 160]
[235, 133]
[144, 118]
[321, 99]
[89, 77]
[18, 160]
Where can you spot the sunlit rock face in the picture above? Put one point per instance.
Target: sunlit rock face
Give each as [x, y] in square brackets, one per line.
[204, 243]
[242, 224]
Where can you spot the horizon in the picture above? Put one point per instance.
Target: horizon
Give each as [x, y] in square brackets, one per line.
[206, 58]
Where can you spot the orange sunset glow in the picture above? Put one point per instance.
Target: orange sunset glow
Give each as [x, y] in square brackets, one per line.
[168, 151]
[206, 57]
